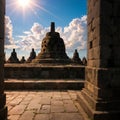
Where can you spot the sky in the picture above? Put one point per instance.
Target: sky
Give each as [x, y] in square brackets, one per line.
[28, 21]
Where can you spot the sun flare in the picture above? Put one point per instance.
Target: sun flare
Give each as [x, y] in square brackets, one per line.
[24, 3]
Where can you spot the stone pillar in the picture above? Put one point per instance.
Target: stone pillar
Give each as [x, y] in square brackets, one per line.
[3, 108]
[100, 97]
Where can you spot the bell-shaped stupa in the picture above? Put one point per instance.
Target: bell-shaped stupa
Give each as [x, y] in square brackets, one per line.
[32, 56]
[52, 48]
[76, 58]
[13, 58]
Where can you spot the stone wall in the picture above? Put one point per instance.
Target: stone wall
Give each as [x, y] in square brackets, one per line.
[103, 29]
[102, 74]
[19, 71]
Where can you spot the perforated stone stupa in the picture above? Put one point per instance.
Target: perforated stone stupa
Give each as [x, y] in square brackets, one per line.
[52, 48]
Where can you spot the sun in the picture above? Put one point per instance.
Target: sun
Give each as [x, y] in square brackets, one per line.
[24, 3]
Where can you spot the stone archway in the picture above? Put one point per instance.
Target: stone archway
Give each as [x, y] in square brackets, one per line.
[102, 87]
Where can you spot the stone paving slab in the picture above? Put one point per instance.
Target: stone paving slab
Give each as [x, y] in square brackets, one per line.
[43, 105]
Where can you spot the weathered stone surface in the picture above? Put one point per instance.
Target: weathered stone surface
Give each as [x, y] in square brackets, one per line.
[17, 110]
[45, 109]
[27, 115]
[67, 116]
[56, 109]
[13, 117]
[70, 108]
[44, 72]
[57, 102]
[52, 49]
[42, 117]
[15, 101]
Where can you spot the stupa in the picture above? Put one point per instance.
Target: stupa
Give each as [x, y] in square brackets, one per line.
[52, 48]
[76, 58]
[23, 60]
[32, 56]
[13, 58]
[84, 61]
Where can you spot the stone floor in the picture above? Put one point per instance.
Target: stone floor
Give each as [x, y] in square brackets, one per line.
[43, 105]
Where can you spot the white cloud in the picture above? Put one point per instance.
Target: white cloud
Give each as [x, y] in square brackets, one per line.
[32, 38]
[9, 40]
[74, 35]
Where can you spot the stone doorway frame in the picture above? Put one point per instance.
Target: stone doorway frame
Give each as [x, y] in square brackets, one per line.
[103, 61]
[3, 108]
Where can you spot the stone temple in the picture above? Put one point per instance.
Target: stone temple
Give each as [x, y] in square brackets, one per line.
[52, 48]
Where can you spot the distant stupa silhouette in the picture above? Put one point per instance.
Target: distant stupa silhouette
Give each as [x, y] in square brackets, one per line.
[76, 58]
[13, 58]
[52, 48]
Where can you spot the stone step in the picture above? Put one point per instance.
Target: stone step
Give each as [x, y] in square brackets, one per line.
[84, 104]
[100, 104]
[38, 84]
[94, 114]
[89, 98]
